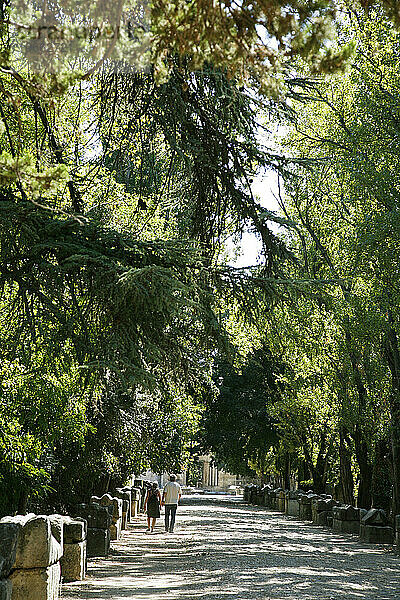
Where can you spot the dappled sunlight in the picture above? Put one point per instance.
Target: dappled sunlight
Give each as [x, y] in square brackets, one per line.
[222, 550]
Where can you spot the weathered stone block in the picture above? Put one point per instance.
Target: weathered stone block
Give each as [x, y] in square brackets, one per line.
[134, 508]
[98, 542]
[73, 562]
[105, 500]
[8, 547]
[36, 584]
[116, 504]
[36, 545]
[125, 495]
[57, 527]
[115, 530]
[324, 504]
[346, 526]
[136, 493]
[318, 505]
[351, 513]
[376, 534]
[97, 517]
[375, 516]
[293, 507]
[346, 513]
[397, 541]
[305, 512]
[322, 517]
[117, 509]
[281, 501]
[363, 512]
[75, 530]
[305, 500]
[5, 589]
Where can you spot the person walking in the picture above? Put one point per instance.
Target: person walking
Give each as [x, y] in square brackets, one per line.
[153, 505]
[172, 493]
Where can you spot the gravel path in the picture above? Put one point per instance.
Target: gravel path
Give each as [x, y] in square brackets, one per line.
[224, 549]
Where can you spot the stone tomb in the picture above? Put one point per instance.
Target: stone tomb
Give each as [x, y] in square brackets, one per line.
[292, 507]
[266, 490]
[135, 501]
[30, 551]
[397, 524]
[280, 501]
[114, 505]
[125, 496]
[321, 510]
[274, 498]
[305, 512]
[98, 519]
[374, 527]
[73, 561]
[346, 519]
[8, 549]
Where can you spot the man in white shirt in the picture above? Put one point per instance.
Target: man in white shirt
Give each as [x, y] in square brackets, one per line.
[172, 493]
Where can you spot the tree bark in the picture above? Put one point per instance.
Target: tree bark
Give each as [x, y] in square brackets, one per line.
[382, 476]
[393, 359]
[364, 498]
[319, 470]
[22, 502]
[346, 475]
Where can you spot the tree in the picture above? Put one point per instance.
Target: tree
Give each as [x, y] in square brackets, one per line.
[340, 202]
[237, 423]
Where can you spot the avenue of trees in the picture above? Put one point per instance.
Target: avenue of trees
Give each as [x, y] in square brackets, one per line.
[127, 338]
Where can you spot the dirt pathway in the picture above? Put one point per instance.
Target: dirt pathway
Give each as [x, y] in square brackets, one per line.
[227, 550]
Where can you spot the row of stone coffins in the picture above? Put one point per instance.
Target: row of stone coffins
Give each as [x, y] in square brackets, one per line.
[107, 516]
[372, 526]
[36, 551]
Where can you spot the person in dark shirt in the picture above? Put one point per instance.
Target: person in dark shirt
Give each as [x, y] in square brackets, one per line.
[153, 505]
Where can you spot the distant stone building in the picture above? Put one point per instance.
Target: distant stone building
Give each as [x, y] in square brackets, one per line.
[215, 478]
[163, 478]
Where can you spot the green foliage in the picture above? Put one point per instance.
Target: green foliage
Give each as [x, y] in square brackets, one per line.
[342, 197]
[238, 426]
[111, 266]
[256, 41]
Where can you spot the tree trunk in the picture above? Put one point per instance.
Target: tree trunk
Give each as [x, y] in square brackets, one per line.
[319, 470]
[364, 499]
[395, 435]
[393, 358]
[346, 475]
[382, 476]
[22, 502]
[361, 446]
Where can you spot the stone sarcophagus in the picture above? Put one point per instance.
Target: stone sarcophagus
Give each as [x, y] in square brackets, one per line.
[135, 502]
[305, 507]
[346, 519]
[375, 528]
[99, 519]
[114, 505]
[292, 503]
[30, 551]
[321, 509]
[73, 560]
[125, 495]
[280, 501]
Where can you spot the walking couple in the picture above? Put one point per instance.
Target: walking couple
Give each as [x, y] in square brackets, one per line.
[172, 493]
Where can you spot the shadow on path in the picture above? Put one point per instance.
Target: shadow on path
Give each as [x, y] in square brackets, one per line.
[232, 551]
